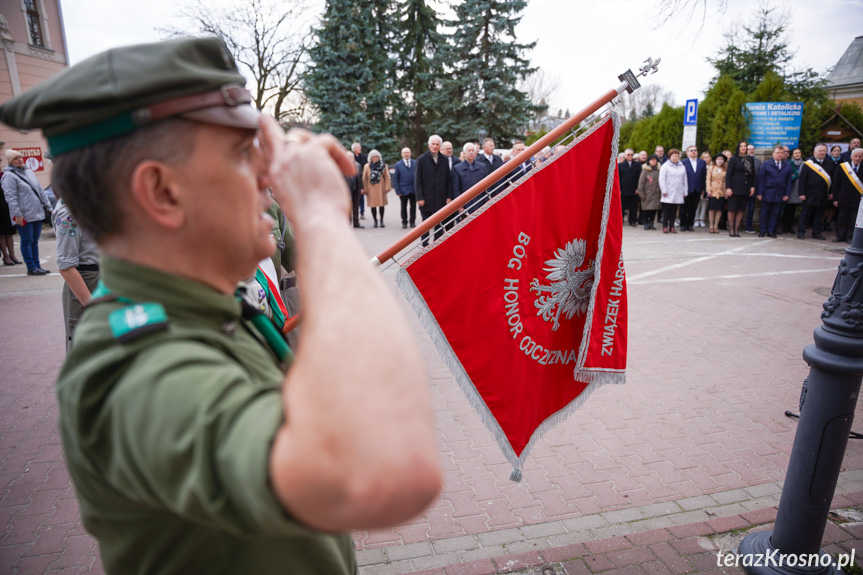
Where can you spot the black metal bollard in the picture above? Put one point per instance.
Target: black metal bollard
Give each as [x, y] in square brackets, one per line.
[836, 371]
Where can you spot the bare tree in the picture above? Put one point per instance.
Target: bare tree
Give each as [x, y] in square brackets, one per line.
[539, 88]
[644, 102]
[687, 11]
[268, 39]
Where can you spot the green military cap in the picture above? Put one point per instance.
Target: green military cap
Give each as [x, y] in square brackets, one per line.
[124, 89]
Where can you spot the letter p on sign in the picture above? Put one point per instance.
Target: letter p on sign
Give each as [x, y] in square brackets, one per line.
[690, 116]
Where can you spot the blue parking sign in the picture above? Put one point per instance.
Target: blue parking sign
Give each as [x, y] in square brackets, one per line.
[690, 114]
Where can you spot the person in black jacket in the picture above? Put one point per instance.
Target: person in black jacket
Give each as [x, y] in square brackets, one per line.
[432, 184]
[492, 162]
[361, 159]
[813, 186]
[355, 184]
[845, 191]
[629, 171]
[739, 186]
[846, 155]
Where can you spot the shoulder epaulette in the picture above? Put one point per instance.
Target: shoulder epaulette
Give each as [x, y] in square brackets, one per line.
[131, 322]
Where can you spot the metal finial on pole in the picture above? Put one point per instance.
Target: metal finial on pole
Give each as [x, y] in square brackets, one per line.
[650, 67]
[630, 80]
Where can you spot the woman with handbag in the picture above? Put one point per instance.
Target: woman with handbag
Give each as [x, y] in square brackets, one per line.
[28, 208]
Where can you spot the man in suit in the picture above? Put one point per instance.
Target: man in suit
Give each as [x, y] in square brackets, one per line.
[446, 150]
[846, 189]
[628, 171]
[432, 183]
[773, 188]
[403, 182]
[852, 145]
[521, 169]
[362, 160]
[696, 184]
[492, 162]
[813, 186]
[466, 174]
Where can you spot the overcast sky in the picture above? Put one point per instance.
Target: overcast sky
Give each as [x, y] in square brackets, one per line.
[584, 44]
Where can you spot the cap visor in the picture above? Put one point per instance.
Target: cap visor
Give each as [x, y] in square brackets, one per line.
[243, 116]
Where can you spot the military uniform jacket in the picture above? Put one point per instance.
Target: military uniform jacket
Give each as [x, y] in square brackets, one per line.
[843, 190]
[812, 185]
[169, 403]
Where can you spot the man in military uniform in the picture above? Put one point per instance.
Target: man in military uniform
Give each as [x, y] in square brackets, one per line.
[190, 448]
[78, 262]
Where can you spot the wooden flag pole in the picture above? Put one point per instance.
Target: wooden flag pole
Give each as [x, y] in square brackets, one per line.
[629, 84]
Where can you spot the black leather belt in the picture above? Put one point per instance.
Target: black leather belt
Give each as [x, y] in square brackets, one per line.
[88, 267]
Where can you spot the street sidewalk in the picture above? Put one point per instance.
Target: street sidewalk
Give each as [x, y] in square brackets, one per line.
[692, 548]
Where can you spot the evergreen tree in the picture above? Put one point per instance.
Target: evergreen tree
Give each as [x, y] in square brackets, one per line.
[723, 90]
[759, 49]
[417, 66]
[479, 94]
[351, 76]
[664, 129]
[730, 124]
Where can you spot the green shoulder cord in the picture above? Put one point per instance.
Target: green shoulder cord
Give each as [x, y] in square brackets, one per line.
[266, 328]
[130, 323]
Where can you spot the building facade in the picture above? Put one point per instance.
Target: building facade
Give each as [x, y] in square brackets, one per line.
[34, 49]
[845, 81]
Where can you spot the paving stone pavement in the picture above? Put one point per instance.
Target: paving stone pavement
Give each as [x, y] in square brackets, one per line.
[697, 434]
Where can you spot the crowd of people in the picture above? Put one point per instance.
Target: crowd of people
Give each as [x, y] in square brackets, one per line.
[424, 183]
[725, 191]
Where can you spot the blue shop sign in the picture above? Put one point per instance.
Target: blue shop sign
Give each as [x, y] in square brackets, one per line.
[772, 123]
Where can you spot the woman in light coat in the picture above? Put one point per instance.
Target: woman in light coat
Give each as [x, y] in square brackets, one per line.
[28, 207]
[376, 183]
[672, 185]
[716, 191]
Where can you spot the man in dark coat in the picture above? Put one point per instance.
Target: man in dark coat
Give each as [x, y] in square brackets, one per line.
[403, 182]
[492, 162]
[773, 188]
[852, 145]
[519, 170]
[362, 160]
[813, 185]
[696, 184]
[468, 173]
[629, 170]
[355, 184]
[446, 150]
[432, 183]
[846, 189]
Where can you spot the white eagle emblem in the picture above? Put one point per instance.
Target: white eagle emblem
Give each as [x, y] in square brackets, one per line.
[569, 292]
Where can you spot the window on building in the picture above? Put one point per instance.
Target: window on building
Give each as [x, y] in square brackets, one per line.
[34, 23]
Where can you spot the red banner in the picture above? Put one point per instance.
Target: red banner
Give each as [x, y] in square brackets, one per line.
[515, 301]
[32, 159]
